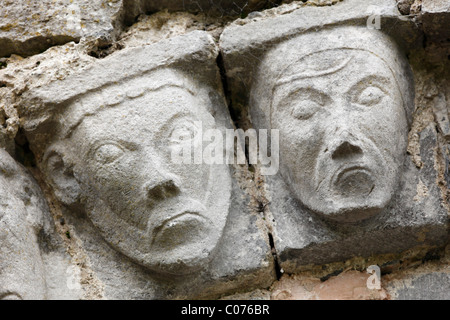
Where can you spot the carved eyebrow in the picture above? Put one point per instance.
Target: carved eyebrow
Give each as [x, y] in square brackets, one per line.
[131, 145]
[174, 118]
[373, 80]
[312, 73]
[312, 93]
[119, 142]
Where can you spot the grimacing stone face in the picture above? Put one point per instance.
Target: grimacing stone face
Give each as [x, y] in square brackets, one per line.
[343, 131]
[340, 138]
[165, 216]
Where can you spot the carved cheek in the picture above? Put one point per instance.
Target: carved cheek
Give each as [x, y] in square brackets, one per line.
[111, 180]
[385, 122]
[300, 144]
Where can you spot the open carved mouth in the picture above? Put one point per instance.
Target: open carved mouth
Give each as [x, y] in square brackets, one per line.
[353, 181]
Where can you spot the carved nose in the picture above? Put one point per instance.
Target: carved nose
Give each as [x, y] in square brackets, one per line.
[346, 150]
[161, 190]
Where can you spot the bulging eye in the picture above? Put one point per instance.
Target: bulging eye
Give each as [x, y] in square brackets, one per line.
[303, 103]
[305, 109]
[370, 96]
[183, 133]
[108, 153]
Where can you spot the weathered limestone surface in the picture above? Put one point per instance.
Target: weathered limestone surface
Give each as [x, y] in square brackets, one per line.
[30, 27]
[430, 281]
[23, 274]
[427, 286]
[33, 261]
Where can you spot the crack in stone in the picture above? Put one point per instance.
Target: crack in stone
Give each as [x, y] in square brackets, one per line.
[262, 203]
[278, 270]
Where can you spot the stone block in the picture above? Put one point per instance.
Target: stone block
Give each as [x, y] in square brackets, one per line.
[422, 286]
[436, 19]
[30, 27]
[342, 97]
[415, 217]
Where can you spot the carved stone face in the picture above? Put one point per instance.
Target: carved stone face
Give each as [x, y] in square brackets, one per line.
[342, 121]
[168, 217]
[343, 136]
[21, 268]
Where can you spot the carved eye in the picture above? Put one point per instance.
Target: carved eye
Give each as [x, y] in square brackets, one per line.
[304, 110]
[303, 103]
[370, 96]
[183, 133]
[108, 153]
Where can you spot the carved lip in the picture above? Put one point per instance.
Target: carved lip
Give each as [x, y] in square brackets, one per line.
[346, 170]
[189, 215]
[179, 216]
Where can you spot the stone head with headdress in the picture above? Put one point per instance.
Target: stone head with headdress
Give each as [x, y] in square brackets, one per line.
[104, 139]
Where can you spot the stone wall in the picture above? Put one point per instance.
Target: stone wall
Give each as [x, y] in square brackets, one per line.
[345, 103]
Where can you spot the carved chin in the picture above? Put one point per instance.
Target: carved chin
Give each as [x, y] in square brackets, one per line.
[183, 245]
[352, 195]
[179, 245]
[354, 214]
[358, 198]
[187, 264]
